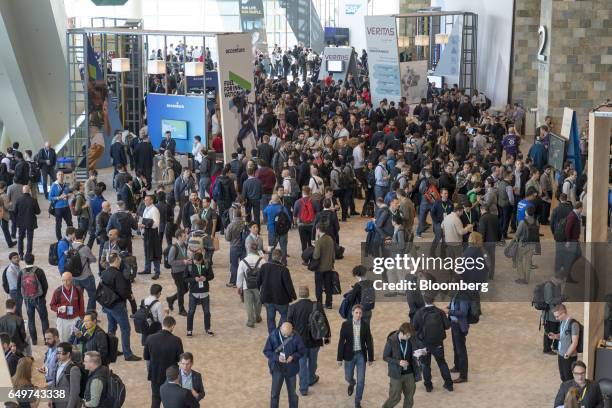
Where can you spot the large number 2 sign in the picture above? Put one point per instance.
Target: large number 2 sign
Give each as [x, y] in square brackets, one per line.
[542, 35]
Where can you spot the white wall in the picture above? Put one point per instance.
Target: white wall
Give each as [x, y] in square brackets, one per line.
[495, 20]
[351, 14]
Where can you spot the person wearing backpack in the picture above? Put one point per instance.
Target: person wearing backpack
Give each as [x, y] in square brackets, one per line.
[114, 281]
[275, 289]
[11, 282]
[458, 310]
[363, 293]
[431, 324]
[198, 276]
[279, 224]
[63, 246]
[325, 253]
[570, 331]
[59, 197]
[547, 296]
[179, 261]
[34, 287]
[83, 277]
[89, 336]
[96, 388]
[306, 317]
[154, 312]
[26, 210]
[247, 282]
[337, 181]
[304, 213]
[81, 209]
[70, 376]
[404, 369]
[235, 233]
[252, 191]
[67, 302]
[527, 236]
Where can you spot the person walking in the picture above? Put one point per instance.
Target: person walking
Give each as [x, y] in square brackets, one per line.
[179, 260]
[279, 223]
[252, 191]
[116, 311]
[458, 311]
[59, 197]
[198, 276]
[275, 289]
[284, 349]
[431, 324]
[26, 210]
[84, 278]
[299, 315]
[304, 213]
[162, 350]
[247, 283]
[234, 234]
[47, 158]
[403, 367]
[67, 302]
[149, 223]
[527, 236]
[172, 394]
[355, 347]
[12, 285]
[153, 304]
[488, 227]
[5, 215]
[34, 287]
[325, 253]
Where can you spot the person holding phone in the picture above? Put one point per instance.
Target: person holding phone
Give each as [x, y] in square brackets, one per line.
[67, 301]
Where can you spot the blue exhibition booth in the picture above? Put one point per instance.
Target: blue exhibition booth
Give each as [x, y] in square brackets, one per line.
[184, 116]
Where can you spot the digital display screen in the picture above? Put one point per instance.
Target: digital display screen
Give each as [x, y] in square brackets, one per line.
[178, 128]
[435, 81]
[335, 66]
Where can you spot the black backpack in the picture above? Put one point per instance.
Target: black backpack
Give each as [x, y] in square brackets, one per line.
[115, 391]
[282, 223]
[177, 168]
[53, 258]
[368, 295]
[225, 219]
[432, 330]
[165, 254]
[559, 232]
[129, 265]
[474, 313]
[113, 347]
[84, 377]
[72, 261]
[568, 331]
[538, 301]
[143, 319]
[252, 274]
[533, 232]
[5, 284]
[34, 173]
[317, 324]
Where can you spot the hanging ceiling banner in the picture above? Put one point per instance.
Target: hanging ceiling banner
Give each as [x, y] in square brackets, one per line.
[237, 93]
[383, 60]
[449, 65]
[252, 20]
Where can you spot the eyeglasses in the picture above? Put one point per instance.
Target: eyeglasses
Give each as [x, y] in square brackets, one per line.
[579, 373]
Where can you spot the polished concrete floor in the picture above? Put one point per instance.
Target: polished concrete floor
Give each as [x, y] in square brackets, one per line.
[507, 367]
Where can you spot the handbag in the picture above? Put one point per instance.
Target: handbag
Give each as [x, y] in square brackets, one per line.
[215, 243]
[105, 296]
[511, 249]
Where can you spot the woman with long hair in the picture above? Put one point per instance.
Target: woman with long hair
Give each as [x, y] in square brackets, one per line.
[22, 380]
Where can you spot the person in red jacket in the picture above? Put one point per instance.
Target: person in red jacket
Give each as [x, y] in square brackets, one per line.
[67, 302]
[217, 143]
[572, 238]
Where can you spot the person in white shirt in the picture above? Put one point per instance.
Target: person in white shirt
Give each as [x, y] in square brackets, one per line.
[316, 183]
[157, 310]
[454, 231]
[245, 286]
[149, 223]
[196, 151]
[216, 122]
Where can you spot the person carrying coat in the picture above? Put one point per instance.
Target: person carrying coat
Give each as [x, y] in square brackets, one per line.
[404, 369]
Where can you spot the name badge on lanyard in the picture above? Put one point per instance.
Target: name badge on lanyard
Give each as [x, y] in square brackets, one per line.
[69, 308]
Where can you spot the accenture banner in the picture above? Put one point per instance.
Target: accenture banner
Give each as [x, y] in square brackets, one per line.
[383, 60]
[236, 93]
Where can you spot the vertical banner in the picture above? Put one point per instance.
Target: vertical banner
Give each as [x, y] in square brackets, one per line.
[252, 21]
[383, 60]
[237, 93]
[414, 80]
[449, 64]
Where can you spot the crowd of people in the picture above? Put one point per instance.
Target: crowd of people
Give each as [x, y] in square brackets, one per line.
[322, 147]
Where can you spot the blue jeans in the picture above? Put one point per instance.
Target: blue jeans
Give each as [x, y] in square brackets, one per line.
[88, 285]
[204, 185]
[118, 315]
[308, 368]
[424, 208]
[437, 230]
[271, 310]
[38, 305]
[15, 294]
[277, 384]
[380, 191]
[274, 240]
[147, 267]
[349, 370]
[235, 256]
[265, 200]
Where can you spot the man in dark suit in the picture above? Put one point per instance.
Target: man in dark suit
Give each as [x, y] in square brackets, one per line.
[26, 210]
[191, 379]
[22, 169]
[489, 228]
[173, 395]
[143, 156]
[11, 358]
[299, 316]
[168, 143]
[13, 325]
[162, 350]
[117, 153]
[126, 194]
[46, 158]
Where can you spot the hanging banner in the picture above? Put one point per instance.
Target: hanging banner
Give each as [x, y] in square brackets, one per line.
[383, 60]
[252, 21]
[414, 80]
[573, 148]
[450, 60]
[237, 93]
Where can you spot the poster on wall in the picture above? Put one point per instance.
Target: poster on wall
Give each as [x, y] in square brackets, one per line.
[414, 80]
[252, 21]
[383, 61]
[237, 93]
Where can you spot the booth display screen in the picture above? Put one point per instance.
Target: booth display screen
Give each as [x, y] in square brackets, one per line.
[178, 128]
[335, 66]
[435, 81]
